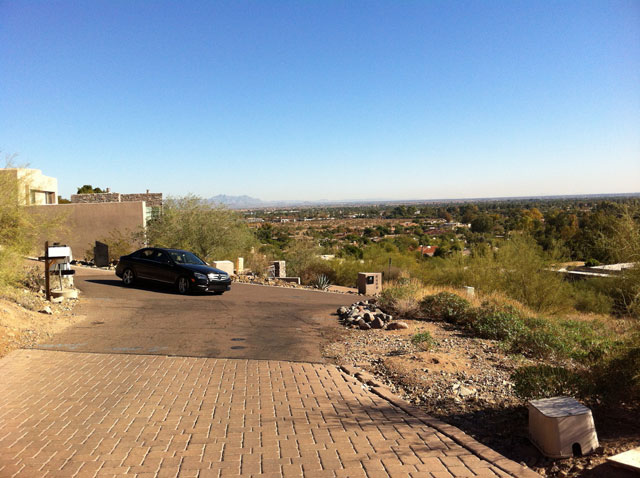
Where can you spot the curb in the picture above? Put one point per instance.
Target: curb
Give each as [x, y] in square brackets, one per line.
[457, 435]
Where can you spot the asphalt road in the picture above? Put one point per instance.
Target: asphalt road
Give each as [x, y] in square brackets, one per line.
[249, 321]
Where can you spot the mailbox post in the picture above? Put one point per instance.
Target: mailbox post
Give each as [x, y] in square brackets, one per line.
[60, 255]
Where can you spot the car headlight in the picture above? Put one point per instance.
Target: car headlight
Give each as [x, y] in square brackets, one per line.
[199, 276]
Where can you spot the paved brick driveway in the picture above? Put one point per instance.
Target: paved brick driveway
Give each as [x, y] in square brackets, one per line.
[78, 414]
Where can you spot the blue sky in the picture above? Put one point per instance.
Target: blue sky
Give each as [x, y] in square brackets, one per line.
[325, 99]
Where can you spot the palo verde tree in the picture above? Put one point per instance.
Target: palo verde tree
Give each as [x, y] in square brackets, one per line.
[212, 232]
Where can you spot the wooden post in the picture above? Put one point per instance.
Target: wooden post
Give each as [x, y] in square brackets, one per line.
[47, 286]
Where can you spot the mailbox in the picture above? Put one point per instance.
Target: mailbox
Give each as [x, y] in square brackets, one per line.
[57, 262]
[369, 283]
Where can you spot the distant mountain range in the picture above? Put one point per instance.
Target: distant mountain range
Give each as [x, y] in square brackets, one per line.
[248, 202]
[237, 202]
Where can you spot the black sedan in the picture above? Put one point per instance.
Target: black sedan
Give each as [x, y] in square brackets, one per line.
[172, 266]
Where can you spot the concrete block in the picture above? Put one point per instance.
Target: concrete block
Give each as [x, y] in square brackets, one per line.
[562, 427]
[226, 266]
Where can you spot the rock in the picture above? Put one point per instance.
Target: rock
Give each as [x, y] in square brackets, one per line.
[46, 310]
[466, 392]
[388, 318]
[368, 316]
[397, 325]
[377, 323]
[364, 325]
[342, 311]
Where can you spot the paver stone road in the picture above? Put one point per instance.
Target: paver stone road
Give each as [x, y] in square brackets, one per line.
[93, 411]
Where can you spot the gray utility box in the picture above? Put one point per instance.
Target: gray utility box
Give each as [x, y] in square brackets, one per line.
[561, 427]
[369, 283]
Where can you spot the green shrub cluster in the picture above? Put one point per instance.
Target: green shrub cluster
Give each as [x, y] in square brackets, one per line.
[498, 323]
[541, 381]
[423, 340]
[446, 306]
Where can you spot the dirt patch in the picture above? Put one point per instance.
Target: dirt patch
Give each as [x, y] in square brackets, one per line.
[22, 327]
[466, 381]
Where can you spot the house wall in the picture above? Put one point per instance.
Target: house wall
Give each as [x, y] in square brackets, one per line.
[36, 187]
[83, 224]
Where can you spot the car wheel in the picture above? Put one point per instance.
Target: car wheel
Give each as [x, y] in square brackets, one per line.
[218, 293]
[183, 285]
[128, 277]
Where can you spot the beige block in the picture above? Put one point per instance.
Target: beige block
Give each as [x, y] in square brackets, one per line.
[226, 266]
[561, 427]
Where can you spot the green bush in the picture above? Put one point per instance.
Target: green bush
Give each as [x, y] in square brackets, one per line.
[542, 381]
[423, 340]
[193, 223]
[587, 342]
[539, 339]
[618, 377]
[589, 300]
[498, 323]
[446, 306]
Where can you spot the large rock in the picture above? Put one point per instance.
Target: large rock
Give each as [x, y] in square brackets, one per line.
[368, 316]
[397, 325]
[377, 323]
[364, 325]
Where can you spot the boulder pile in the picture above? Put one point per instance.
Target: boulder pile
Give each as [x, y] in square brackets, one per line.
[365, 315]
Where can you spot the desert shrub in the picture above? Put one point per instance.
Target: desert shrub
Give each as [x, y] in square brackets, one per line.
[19, 228]
[211, 232]
[618, 377]
[542, 381]
[518, 267]
[446, 306]
[539, 339]
[346, 271]
[491, 321]
[401, 297]
[590, 297]
[424, 340]
[587, 342]
[312, 270]
[591, 262]
[120, 244]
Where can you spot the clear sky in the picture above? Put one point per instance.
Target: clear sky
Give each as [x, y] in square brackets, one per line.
[325, 99]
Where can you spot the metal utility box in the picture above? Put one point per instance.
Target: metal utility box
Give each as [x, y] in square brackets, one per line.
[562, 427]
[369, 283]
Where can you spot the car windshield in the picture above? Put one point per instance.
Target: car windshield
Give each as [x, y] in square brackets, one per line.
[184, 257]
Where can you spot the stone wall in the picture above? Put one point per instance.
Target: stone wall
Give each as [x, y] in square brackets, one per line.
[152, 199]
[95, 198]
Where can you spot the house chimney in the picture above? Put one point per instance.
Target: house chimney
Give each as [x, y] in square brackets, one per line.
[108, 190]
[147, 191]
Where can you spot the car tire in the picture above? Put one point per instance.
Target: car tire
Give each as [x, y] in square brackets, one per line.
[218, 293]
[183, 285]
[128, 277]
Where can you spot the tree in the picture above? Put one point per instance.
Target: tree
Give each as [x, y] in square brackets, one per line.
[210, 231]
[88, 189]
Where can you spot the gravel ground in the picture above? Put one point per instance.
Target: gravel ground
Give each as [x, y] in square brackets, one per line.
[465, 381]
